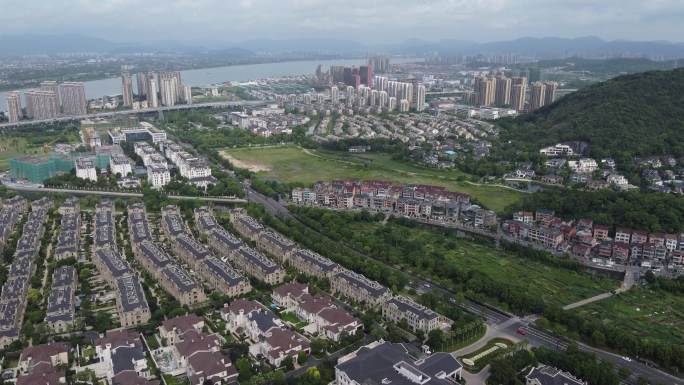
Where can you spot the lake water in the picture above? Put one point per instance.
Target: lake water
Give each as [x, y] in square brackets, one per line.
[207, 76]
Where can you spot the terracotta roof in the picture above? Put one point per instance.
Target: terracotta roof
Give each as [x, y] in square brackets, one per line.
[42, 353]
[294, 289]
[119, 338]
[132, 378]
[241, 304]
[194, 342]
[42, 374]
[182, 323]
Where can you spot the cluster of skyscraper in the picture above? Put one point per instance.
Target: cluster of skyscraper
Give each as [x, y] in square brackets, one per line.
[164, 88]
[502, 91]
[51, 100]
[363, 88]
[384, 94]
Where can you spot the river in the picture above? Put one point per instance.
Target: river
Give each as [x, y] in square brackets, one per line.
[207, 76]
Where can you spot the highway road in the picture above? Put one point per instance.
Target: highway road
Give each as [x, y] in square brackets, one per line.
[505, 324]
[107, 114]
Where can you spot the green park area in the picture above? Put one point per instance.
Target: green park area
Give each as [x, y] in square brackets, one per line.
[291, 164]
[436, 251]
[523, 283]
[655, 315]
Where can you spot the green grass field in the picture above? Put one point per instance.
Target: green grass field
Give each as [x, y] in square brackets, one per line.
[656, 315]
[553, 284]
[293, 164]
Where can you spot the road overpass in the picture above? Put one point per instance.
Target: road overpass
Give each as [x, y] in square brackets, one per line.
[107, 114]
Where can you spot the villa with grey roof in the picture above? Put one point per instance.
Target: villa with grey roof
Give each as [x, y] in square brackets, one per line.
[357, 287]
[382, 362]
[60, 314]
[221, 276]
[131, 303]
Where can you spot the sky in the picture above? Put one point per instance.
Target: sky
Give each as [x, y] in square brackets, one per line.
[374, 21]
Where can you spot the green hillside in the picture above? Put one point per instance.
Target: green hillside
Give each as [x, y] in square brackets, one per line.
[632, 115]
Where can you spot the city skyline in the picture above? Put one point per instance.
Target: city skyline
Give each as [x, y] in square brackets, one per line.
[379, 22]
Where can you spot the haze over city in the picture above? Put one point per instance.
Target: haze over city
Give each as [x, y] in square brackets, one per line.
[217, 23]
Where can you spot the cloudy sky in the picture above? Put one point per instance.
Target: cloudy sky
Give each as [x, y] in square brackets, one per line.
[376, 21]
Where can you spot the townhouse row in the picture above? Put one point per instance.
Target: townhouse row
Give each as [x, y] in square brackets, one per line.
[68, 239]
[228, 246]
[218, 274]
[174, 279]
[13, 299]
[413, 201]
[343, 282]
[131, 304]
[585, 239]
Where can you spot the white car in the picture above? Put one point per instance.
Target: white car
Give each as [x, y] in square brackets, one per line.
[626, 358]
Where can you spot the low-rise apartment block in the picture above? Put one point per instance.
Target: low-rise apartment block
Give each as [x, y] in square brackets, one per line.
[173, 223]
[180, 284]
[152, 257]
[258, 265]
[13, 298]
[222, 277]
[357, 287]
[313, 264]
[276, 244]
[68, 240]
[111, 265]
[119, 164]
[60, 314]
[417, 316]
[189, 250]
[85, 169]
[131, 304]
[204, 220]
[245, 225]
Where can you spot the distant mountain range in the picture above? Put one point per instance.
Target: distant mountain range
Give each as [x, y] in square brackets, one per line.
[541, 48]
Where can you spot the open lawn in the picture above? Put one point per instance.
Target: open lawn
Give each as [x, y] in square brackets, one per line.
[651, 314]
[292, 164]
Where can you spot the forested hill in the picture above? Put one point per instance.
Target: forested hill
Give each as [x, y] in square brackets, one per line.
[632, 115]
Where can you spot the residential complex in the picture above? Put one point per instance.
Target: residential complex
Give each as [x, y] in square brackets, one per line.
[267, 334]
[13, 299]
[430, 203]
